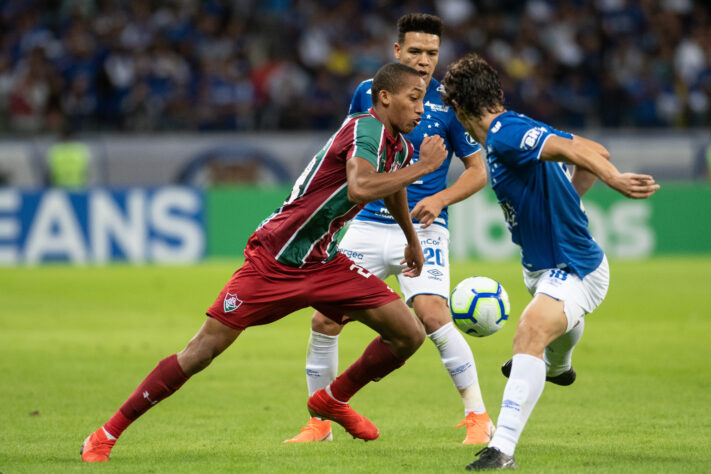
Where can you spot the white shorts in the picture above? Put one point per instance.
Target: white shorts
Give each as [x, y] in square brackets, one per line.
[379, 248]
[579, 296]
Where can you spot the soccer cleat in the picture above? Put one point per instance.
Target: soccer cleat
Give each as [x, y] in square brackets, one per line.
[479, 428]
[96, 447]
[492, 458]
[322, 405]
[566, 378]
[315, 430]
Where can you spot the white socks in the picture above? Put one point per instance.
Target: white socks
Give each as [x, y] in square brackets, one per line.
[522, 391]
[559, 352]
[321, 361]
[322, 364]
[457, 358]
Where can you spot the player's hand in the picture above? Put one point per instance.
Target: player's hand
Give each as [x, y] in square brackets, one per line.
[635, 186]
[427, 210]
[414, 259]
[432, 152]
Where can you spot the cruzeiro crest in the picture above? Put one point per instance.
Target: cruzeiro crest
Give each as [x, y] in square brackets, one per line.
[231, 302]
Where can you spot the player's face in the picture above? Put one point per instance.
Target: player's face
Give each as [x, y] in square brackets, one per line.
[420, 51]
[405, 108]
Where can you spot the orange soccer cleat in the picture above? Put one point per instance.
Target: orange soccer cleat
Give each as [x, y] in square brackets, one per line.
[322, 405]
[315, 430]
[479, 428]
[96, 447]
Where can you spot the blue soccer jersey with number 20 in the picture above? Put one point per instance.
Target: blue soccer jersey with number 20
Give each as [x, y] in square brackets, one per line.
[542, 209]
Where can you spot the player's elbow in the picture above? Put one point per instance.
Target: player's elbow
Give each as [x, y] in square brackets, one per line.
[591, 145]
[357, 195]
[604, 152]
[480, 183]
[577, 153]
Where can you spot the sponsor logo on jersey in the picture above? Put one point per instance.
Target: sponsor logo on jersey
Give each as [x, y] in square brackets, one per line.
[496, 127]
[352, 254]
[440, 89]
[369, 92]
[383, 212]
[469, 138]
[430, 241]
[231, 302]
[437, 107]
[531, 138]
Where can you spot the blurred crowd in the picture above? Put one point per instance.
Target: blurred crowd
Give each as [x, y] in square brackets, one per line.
[146, 65]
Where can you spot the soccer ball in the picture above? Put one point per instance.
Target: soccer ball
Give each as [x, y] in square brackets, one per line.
[479, 306]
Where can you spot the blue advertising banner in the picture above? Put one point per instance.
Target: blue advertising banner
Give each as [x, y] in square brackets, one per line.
[98, 225]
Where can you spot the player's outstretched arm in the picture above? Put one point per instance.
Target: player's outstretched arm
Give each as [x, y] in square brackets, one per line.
[413, 256]
[365, 184]
[470, 181]
[632, 185]
[582, 178]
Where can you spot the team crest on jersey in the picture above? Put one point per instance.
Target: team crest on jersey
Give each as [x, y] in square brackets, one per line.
[531, 138]
[231, 302]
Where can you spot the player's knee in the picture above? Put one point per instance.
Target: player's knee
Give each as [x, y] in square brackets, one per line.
[324, 325]
[432, 311]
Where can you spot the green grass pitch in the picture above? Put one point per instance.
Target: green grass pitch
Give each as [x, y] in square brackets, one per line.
[74, 342]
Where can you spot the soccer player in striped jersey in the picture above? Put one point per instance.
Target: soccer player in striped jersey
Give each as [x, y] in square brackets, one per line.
[292, 261]
[563, 267]
[374, 239]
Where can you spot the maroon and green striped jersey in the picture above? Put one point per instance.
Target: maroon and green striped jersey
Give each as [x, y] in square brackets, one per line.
[301, 232]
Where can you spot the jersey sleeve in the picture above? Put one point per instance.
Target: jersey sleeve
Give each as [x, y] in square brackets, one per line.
[365, 143]
[361, 100]
[520, 143]
[410, 150]
[462, 143]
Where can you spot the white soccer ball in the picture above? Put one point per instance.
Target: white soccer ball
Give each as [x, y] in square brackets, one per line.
[479, 306]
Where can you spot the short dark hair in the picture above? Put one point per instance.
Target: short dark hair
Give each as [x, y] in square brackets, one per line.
[474, 85]
[389, 78]
[420, 23]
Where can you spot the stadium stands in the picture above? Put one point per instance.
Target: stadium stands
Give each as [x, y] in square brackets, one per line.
[248, 65]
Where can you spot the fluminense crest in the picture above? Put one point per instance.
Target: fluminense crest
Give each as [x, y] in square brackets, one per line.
[231, 302]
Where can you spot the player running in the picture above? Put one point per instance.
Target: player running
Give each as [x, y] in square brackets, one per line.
[375, 241]
[563, 267]
[292, 261]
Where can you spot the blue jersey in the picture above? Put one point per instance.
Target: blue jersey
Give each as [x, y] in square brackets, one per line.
[542, 209]
[438, 119]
